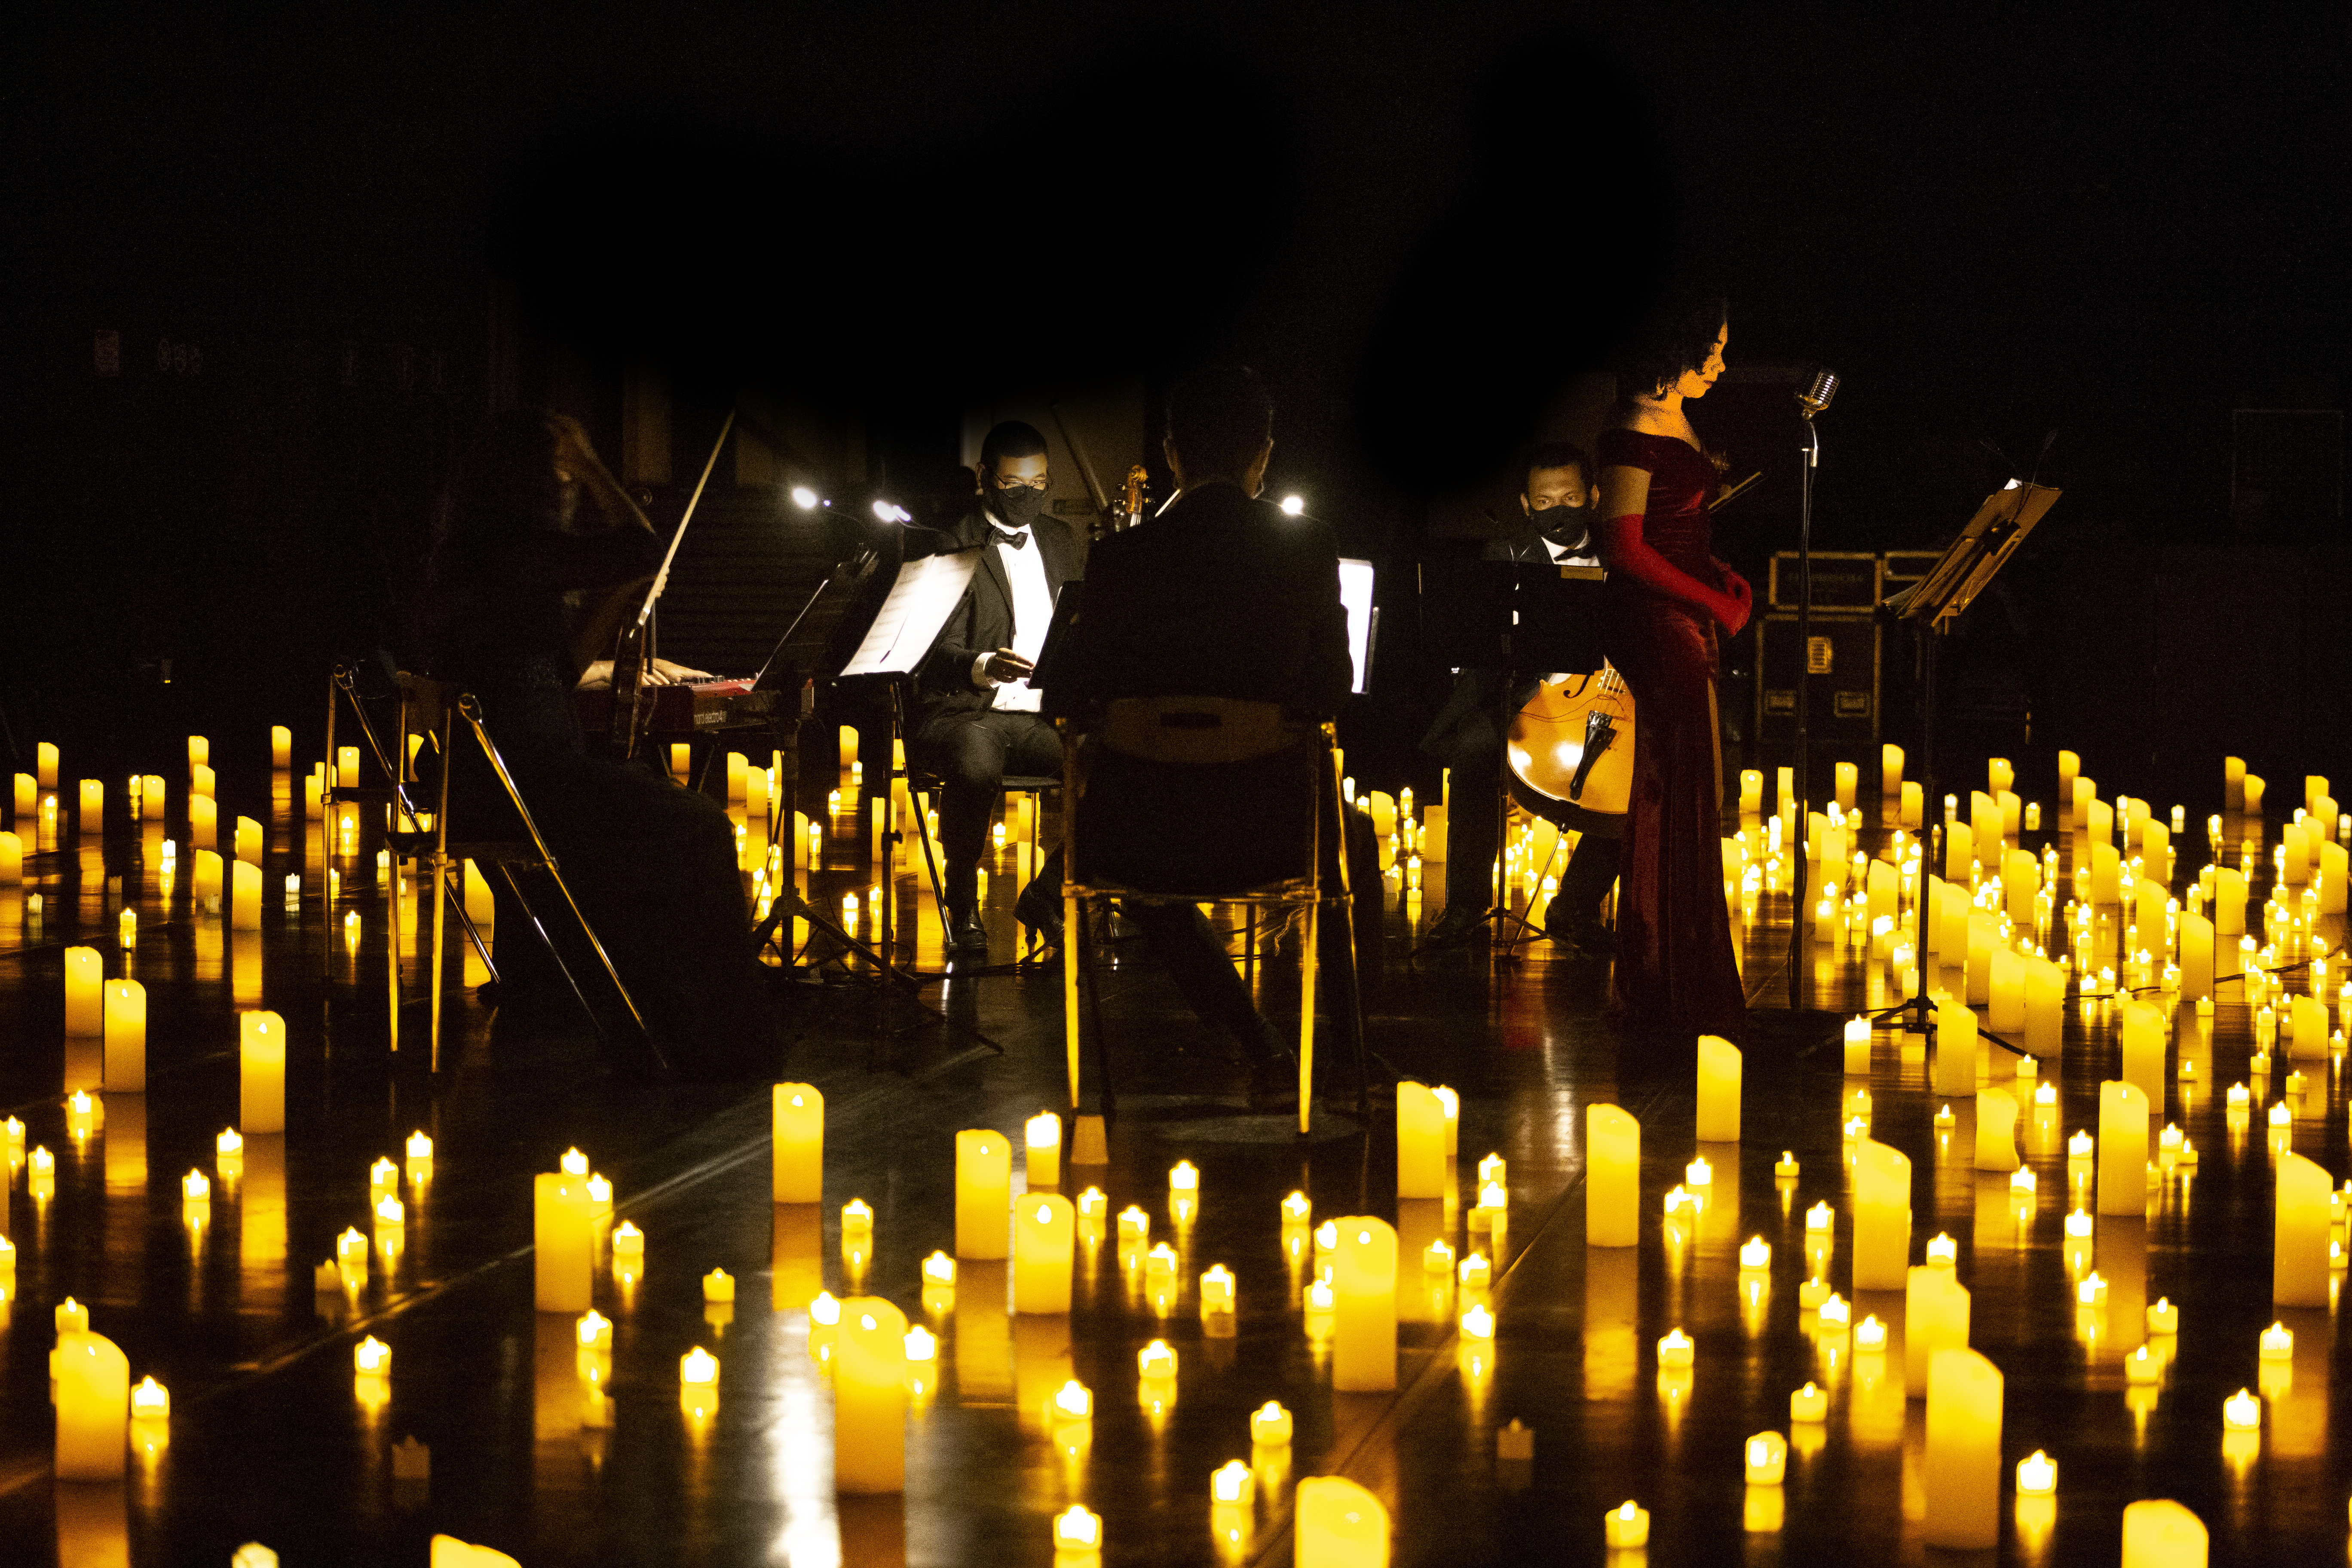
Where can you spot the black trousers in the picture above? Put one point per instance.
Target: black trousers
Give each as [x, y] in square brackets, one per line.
[971, 752]
[1474, 837]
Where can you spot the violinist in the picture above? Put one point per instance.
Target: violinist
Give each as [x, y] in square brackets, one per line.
[539, 558]
[1556, 511]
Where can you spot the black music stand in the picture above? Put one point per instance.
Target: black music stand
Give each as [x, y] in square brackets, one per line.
[1517, 619]
[1950, 587]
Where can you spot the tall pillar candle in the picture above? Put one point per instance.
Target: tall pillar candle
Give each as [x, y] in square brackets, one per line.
[1951, 923]
[126, 1037]
[2195, 956]
[2069, 764]
[93, 1398]
[1719, 1090]
[1363, 1281]
[1045, 1236]
[1421, 1141]
[2229, 906]
[1984, 826]
[244, 895]
[2161, 1533]
[984, 1193]
[563, 1235]
[1956, 1050]
[203, 823]
[869, 1398]
[2005, 994]
[2099, 821]
[85, 994]
[261, 1073]
[2085, 792]
[2299, 1233]
[45, 764]
[1339, 1524]
[796, 1134]
[1915, 805]
[2143, 1051]
[150, 798]
[1890, 772]
[2012, 812]
[204, 784]
[1613, 1176]
[281, 748]
[1995, 1130]
[1962, 1466]
[12, 860]
[204, 881]
[2255, 785]
[1935, 1318]
[1848, 782]
[92, 816]
[1881, 1217]
[2123, 1148]
[2295, 856]
[2308, 1016]
[1751, 792]
[2106, 874]
[1960, 850]
[2020, 879]
[1879, 886]
[2233, 784]
[2329, 874]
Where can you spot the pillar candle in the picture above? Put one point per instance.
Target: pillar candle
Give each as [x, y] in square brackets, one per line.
[126, 1037]
[203, 823]
[245, 897]
[1935, 1318]
[1984, 825]
[281, 747]
[2161, 1533]
[796, 1159]
[869, 1397]
[45, 764]
[2229, 903]
[1751, 792]
[347, 767]
[2143, 1050]
[1044, 1235]
[983, 1191]
[1995, 1130]
[2012, 812]
[1043, 1133]
[1719, 1090]
[2299, 1234]
[1339, 1524]
[261, 1074]
[2020, 879]
[1420, 1142]
[2295, 862]
[2309, 1015]
[1880, 885]
[1951, 923]
[2255, 785]
[202, 784]
[1849, 779]
[2196, 957]
[2005, 1003]
[2099, 821]
[2123, 1148]
[2106, 874]
[1613, 1176]
[92, 1378]
[247, 840]
[1881, 1217]
[150, 798]
[204, 881]
[1915, 805]
[85, 997]
[1956, 1049]
[1363, 1283]
[2233, 784]
[93, 806]
[12, 860]
[563, 1229]
[1959, 848]
[1890, 772]
[2329, 876]
[1962, 1464]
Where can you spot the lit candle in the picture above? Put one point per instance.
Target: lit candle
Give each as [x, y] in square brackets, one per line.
[1675, 1349]
[1217, 1291]
[1363, 1283]
[1857, 1047]
[1915, 805]
[2299, 1234]
[126, 1037]
[1962, 1465]
[2161, 1533]
[1420, 1142]
[869, 1395]
[1340, 1525]
[1881, 1217]
[1451, 1103]
[984, 1193]
[12, 858]
[2143, 1050]
[245, 897]
[797, 1143]
[2163, 1318]
[45, 766]
[1625, 1527]
[1043, 1133]
[2037, 1473]
[1935, 1318]
[564, 1242]
[203, 823]
[1045, 1237]
[85, 993]
[1811, 1403]
[92, 1379]
[1719, 1090]
[1956, 1049]
[2241, 1412]
[2123, 1148]
[1785, 1168]
[261, 1072]
[1613, 1176]
[1996, 1120]
[92, 796]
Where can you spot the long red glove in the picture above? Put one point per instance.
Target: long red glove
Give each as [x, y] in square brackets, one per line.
[1625, 551]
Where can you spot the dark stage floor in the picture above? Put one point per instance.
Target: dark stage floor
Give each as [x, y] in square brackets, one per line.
[479, 1429]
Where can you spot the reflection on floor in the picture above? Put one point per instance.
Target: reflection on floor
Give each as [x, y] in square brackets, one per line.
[491, 1421]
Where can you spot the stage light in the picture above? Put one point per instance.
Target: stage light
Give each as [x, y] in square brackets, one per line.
[805, 498]
[890, 512]
[1294, 506]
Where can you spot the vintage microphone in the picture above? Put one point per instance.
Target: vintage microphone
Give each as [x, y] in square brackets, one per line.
[1810, 401]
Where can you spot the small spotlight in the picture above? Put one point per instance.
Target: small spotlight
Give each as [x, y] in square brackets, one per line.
[805, 498]
[1294, 506]
[886, 511]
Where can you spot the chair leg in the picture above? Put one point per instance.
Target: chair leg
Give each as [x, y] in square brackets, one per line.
[392, 954]
[1073, 955]
[440, 903]
[1084, 938]
[514, 886]
[1307, 959]
[1350, 1008]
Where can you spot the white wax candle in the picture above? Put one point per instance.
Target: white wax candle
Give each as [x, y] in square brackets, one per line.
[1340, 1525]
[1045, 1236]
[563, 1228]
[1915, 807]
[1363, 1283]
[92, 1378]
[1848, 780]
[869, 1398]
[1719, 1090]
[1963, 1462]
[1881, 1217]
[2161, 1533]
[1996, 1127]
[244, 895]
[1043, 1134]
[93, 806]
[12, 858]
[85, 996]
[2143, 1050]
[1960, 849]
[2045, 1007]
[1421, 1141]
[2254, 786]
[797, 1158]
[2196, 957]
[45, 763]
[203, 823]
[2005, 993]
[1984, 825]
[1613, 1176]
[126, 1037]
[2123, 1148]
[1935, 1318]
[984, 1193]
[2299, 1234]
[1890, 772]
[1956, 1049]
[261, 1073]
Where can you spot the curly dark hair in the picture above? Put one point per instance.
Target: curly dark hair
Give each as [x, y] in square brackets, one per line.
[1674, 335]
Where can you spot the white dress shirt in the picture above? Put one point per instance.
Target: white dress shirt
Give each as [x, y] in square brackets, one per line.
[1032, 612]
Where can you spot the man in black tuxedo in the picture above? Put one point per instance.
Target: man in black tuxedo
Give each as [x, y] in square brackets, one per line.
[1220, 595]
[976, 717]
[1556, 504]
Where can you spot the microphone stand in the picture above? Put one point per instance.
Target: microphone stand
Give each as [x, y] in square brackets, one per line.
[1810, 460]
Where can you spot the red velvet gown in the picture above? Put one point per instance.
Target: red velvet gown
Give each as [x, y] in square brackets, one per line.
[1677, 971]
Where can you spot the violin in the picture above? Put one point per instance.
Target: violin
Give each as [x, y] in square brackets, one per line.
[1570, 749]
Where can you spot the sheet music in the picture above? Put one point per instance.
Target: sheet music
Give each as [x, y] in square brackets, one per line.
[1355, 594]
[910, 620]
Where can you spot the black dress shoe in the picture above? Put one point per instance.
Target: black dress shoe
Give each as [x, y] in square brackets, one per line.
[1458, 924]
[1583, 938]
[967, 936]
[1039, 910]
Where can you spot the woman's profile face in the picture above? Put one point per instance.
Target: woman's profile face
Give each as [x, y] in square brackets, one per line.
[1694, 383]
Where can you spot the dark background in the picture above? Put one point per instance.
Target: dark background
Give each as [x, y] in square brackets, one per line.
[328, 253]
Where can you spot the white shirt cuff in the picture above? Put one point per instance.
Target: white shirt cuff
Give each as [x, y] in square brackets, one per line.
[980, 676]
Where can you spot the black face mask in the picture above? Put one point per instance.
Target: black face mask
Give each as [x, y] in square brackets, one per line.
[1563, 525]
[1019, 506]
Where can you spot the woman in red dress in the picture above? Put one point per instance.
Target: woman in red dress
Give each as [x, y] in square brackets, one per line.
[1677, 971]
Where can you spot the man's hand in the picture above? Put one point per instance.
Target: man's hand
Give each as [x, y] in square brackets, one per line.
[1004, 666]
[662, 672]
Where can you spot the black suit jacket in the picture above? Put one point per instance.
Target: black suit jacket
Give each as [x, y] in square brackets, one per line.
[982, 621]
[1470, 720]
[1218, 596]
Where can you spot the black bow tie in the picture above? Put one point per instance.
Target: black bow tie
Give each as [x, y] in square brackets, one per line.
[1009, 539]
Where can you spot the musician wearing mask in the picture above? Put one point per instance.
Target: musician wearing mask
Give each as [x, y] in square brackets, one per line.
[975, 716]
[1556, 508]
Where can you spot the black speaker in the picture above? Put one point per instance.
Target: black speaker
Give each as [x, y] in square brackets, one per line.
[1843, 656]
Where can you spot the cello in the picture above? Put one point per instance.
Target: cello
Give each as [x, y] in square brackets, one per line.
[1569, 752]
